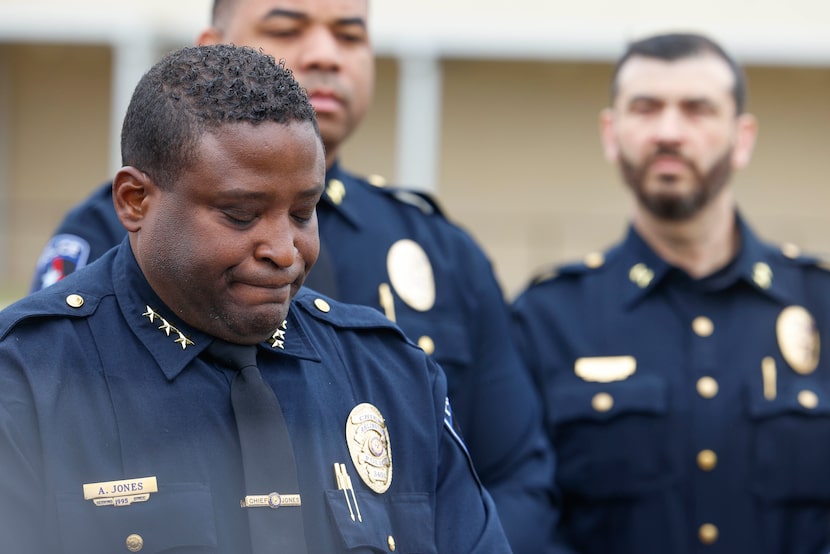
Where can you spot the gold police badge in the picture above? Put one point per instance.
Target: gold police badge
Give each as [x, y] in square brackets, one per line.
[368, 441]
[798, 339]
[411, 274]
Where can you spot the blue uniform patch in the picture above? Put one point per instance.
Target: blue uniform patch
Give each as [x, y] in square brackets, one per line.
[62, 255]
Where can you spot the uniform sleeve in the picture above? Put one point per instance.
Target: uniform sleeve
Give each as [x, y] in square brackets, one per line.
[85, 234]
[501, 418]
[466, 518]
[22, 511]
[524, 334]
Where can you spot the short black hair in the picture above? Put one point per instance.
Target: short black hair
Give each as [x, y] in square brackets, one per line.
[197, 89]
[676, 46]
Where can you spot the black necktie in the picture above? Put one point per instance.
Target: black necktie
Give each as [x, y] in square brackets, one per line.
[268, 460]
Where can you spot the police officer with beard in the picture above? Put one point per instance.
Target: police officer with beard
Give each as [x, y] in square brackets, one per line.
[684, 387]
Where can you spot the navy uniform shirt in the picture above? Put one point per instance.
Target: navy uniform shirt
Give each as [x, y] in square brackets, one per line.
[99, 382]
[394, 250]
[688, 416]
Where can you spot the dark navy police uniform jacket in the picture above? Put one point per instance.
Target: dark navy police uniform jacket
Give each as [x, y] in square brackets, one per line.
[688, 416]
[394, 250]
[100, 383]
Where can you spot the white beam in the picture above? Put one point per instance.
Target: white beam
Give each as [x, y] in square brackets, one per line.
[132, 56]
[6, 116]
[419, 122]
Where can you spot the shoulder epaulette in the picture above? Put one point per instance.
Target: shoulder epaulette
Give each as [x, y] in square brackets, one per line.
[591, 262]
[417, 198]
[342, 315]
[45, 304]
[794, 253]
[377, 180]
[821, 263]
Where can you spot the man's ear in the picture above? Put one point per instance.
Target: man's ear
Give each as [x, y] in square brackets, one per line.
[745, 137]
[131, 191]
[209, 36]
[607, 137]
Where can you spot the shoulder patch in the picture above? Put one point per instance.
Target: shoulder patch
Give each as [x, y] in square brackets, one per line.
[62, 255]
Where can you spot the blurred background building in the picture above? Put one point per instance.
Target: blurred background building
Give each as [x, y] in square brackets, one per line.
[492, 105]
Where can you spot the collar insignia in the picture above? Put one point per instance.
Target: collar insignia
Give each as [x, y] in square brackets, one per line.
[168, 329]
[278, 338]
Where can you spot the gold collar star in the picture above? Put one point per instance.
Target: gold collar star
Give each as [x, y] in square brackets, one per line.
[183, 340]
[168, 329]
[278, 337]
[150, 314]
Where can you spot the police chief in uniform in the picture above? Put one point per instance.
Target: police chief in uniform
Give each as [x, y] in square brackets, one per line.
[383, 247]
[685, 389]
[127, 389]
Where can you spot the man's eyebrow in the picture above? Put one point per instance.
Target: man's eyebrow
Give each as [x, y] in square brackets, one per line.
[644, 97]
[311, 192]
[280, 12]
[300, 16]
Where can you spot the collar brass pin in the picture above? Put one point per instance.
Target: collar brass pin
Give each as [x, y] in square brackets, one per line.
[278, 338]
[168, 329]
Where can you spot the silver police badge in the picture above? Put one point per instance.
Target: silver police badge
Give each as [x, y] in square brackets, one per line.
[368, 441]
[411, 274]
[798, 339]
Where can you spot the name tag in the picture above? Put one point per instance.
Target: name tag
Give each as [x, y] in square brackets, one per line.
[605, 369]
[120, 493]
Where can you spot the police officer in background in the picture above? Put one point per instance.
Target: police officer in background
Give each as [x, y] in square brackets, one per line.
[386, 248]
[685, 391]
[125, 404]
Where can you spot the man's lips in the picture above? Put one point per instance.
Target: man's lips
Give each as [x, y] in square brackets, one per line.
[668, 164]
[672, 165]
[262, 293]
[325, 102]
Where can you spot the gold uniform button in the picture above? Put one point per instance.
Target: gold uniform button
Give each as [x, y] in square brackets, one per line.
[376, 180]
[708, 534]
[808, 399]
[707, 387]
[707, 460]
[790, 250]
[135, 543]
[322, 305]
[390, 540]
[75, 300]
[594, 260]
[703, 326]
[602, 402]
[427, 345]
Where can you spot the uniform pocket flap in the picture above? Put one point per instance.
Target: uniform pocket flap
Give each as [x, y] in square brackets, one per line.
[602, 401]
[392, 522]
[179, 517]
